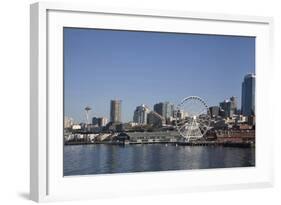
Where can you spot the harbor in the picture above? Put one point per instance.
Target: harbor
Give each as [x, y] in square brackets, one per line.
[107, 159]
[227, 139]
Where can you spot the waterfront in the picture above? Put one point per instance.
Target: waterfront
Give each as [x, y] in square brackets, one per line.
[104, 158]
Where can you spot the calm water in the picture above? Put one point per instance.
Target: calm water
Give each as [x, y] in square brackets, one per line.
[100, 159]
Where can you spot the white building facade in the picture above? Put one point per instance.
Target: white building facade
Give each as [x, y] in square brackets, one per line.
[140, 114]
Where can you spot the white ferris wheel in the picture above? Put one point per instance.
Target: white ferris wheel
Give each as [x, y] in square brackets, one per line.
[193, 119]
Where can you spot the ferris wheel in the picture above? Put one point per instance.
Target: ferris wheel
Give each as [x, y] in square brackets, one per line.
[192, 119]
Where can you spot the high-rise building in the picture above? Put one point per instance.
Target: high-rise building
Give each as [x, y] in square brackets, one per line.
[233, 101]
[226, 107]
[214, 111]
[165, 109]
[159, 108]
[154, 119]
[95, 121]
[99, 121]
[102, 121]
[140, 114]
[179, 114]
[248, 95]
[115, 111]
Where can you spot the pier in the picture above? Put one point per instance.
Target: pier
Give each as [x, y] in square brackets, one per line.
[168, 137]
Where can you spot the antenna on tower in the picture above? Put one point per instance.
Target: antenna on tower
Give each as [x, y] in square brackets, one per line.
[87, 110]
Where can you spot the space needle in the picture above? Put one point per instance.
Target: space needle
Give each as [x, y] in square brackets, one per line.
[87, 111]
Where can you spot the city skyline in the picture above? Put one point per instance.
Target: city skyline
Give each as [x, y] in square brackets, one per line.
[148, 68]
[152, 108]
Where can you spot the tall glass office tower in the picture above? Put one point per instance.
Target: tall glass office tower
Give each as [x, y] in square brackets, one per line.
[248, 95]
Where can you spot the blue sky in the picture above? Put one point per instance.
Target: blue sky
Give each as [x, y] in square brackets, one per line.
[150, 67]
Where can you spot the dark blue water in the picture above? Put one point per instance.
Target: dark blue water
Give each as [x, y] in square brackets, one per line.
[101, 159]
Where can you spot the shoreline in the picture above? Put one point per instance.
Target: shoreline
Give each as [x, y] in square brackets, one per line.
[248, 144]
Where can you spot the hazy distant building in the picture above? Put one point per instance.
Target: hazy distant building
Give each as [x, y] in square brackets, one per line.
[252, 120]
[179, 114]
[248, 95]
[95, 121]
[226, 107]
[214, 111]
[233, 101]
[115, 111]
[99, 121]
[165, 109]
[140, 114]
[222, 113]
[76, 127]
[229, 107]
[68, 122]
[102, 121]
[159, 108]
[154, 119]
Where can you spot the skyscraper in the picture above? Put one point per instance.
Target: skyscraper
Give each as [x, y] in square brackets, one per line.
[233, 101]
[179, 114]
[140, 114]
[102, 121]
[214, 111]
[226, 107]
[165, 109]
[115, 111]
[95, 121]
[99, 121]
[248, 95]
[154, 119]
[229, 107]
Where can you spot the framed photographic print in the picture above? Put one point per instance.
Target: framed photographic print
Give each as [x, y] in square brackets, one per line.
[130, 101]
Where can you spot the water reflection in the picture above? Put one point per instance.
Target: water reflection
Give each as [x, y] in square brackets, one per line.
[101, 159]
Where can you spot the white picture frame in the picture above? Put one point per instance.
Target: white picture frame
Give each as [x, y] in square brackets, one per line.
[46, 178]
